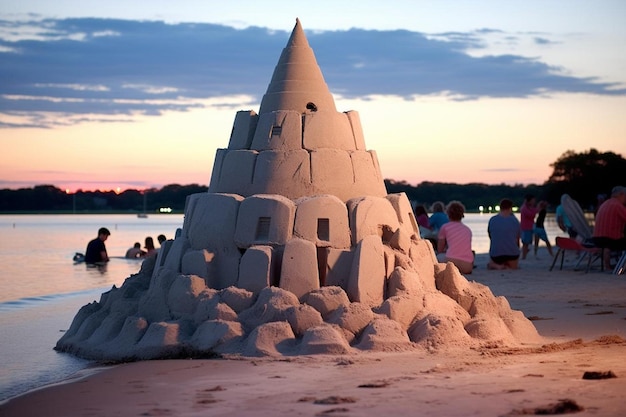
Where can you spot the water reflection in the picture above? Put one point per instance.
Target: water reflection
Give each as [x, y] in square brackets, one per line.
[100, 267]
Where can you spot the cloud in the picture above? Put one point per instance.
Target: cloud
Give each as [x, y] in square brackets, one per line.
[542, 41]
[109, 67]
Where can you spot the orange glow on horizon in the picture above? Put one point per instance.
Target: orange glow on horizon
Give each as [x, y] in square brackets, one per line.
[489, 141]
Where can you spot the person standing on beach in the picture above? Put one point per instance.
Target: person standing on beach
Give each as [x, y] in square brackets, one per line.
[454, 243]
[527, 222]
[539, 230]
[504, 236]
[96, 250]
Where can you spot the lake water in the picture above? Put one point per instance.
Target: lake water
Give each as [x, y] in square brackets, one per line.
[41, 289]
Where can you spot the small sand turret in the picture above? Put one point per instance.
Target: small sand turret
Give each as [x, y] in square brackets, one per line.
[296, 248]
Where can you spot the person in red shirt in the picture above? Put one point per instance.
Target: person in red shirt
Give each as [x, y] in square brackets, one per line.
[527, 222]
[608, 231]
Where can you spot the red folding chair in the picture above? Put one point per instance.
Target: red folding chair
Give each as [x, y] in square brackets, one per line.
[568, 244]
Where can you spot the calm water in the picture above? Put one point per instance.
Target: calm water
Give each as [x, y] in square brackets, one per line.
[41, 289]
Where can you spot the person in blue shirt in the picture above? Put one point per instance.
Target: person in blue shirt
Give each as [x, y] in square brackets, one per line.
[504, 236]
[438, 218]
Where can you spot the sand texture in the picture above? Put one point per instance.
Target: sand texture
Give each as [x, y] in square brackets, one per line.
[578, 368]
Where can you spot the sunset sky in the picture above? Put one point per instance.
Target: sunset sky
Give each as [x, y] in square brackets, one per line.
[140, 94]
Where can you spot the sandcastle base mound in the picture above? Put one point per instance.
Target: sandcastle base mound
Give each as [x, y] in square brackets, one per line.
[179, 316]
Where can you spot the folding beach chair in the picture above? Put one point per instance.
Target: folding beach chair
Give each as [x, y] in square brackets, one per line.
[620, 267]
[584, 230]
[565, 244]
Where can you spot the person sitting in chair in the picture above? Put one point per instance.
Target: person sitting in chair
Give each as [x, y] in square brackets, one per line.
[608, 233]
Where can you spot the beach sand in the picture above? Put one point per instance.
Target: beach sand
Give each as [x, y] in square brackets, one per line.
[581, 315]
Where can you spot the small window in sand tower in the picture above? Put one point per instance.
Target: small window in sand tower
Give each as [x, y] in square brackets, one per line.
[323, 229]
[263, 228]
[311, 106]
[277, 130]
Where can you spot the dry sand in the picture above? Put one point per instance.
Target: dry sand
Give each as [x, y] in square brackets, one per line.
[582, 316]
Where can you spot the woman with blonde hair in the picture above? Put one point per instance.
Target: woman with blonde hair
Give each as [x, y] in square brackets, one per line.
[454, 243]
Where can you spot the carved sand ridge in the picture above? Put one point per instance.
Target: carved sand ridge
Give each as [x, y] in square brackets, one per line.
[296, 249]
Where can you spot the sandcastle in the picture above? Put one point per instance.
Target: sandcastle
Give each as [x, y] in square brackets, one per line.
[296, 249]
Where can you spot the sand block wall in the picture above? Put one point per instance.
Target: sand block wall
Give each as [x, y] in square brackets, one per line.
[243, 129]
[331, 230]
[264, 219]
[256, 270]
[296, 249]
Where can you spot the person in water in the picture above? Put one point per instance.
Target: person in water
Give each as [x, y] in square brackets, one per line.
[135, 251]
[149, 247]
[96, 249]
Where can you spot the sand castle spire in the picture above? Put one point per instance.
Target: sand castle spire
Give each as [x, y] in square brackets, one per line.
[296, 248]
[297, 83]
[298, 145]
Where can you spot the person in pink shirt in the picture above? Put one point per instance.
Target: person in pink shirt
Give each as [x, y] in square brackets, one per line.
[608, 231]
[527, 222]
[454, 242]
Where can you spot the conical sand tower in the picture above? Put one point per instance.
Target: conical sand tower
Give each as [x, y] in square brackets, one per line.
[311, 191]
[299, 145]
[295, 249]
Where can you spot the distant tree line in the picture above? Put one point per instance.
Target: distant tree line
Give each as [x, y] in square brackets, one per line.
[48, 198]
[471, 195]
[581, 175]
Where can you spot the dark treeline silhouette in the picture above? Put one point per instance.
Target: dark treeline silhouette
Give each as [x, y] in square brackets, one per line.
[471, 195]
[581, 175]
[585, 175]
[48, 198]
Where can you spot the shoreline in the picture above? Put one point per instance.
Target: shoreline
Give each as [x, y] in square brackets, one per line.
[582, 317]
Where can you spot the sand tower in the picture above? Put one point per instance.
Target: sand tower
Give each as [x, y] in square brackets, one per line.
[296, 248]
[298, 145]
[305, 190]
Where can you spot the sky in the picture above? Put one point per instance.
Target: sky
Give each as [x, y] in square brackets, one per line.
[116, 95]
